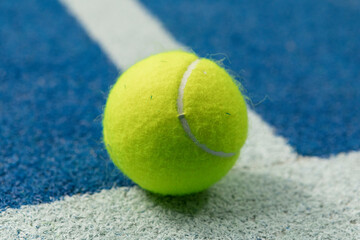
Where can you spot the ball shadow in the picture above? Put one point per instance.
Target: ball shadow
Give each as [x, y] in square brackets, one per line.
[187, 204]
[244, 194]
[252, 203]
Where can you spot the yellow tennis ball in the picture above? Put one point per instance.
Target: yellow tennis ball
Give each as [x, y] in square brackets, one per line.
[174, 123]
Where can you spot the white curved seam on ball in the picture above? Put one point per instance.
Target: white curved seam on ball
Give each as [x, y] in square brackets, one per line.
[181, 114]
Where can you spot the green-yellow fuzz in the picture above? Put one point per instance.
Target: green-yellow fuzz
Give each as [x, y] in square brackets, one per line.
[145, 138]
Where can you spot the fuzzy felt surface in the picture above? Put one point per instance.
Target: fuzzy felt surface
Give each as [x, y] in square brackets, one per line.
[145, 138]
[212, 94]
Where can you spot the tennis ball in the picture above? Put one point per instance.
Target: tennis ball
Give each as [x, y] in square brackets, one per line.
[174, 123]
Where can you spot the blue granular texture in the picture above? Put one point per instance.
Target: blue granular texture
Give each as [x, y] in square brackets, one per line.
[53, 85]
[298, 60]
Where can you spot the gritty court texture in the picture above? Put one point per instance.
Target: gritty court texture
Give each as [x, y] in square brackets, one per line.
[298, 176]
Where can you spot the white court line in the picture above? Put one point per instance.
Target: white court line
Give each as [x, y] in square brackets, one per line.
[272, 193]
[125, 31]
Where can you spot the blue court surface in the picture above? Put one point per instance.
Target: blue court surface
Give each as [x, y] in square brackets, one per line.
[298, 60]
[54, 83]
[298, 176]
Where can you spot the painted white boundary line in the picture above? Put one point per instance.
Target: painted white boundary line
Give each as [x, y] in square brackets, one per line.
[123, 28]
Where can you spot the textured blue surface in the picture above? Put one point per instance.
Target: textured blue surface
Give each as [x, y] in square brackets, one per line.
[53, 84]
[300, 61]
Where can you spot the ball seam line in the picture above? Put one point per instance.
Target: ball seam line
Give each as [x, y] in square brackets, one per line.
[181, 114]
